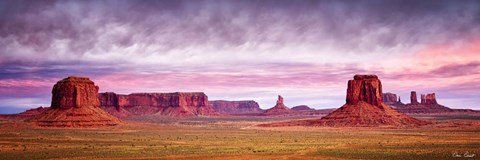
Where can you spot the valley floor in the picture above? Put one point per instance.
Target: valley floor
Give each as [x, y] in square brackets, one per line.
[238, 138]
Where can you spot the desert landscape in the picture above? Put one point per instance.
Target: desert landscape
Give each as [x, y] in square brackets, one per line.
[240, 79]
[80, 125]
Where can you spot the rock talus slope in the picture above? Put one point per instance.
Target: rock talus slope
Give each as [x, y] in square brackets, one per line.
[364, 108]
[75, 104]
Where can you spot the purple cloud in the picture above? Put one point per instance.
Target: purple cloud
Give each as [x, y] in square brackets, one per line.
[306, 50]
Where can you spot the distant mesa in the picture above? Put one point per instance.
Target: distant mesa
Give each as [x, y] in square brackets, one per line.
[236, 107]
[364, 108]
[75, 104]
[428, 105]
[177, 104]
[302, 108]
[33, 111]
[392, 100]
[306, 110]
[279, 109]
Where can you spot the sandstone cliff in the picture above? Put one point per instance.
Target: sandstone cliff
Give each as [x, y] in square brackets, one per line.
[413, 97]
[428, 99]
[391, 99]
[364, 108]
[366, 88]
[75, 92]
[178, 104]
[75, 104]
[235, 107]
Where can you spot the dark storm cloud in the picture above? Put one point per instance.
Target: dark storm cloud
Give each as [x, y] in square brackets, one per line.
[253, 43]
[354, 25]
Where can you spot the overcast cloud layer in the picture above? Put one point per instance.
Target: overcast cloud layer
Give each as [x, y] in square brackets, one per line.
[304, 50]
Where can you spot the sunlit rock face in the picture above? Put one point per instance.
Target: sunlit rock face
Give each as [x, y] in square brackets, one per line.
[75, 92]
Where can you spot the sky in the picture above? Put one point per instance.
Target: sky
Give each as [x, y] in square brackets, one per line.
[305, 51]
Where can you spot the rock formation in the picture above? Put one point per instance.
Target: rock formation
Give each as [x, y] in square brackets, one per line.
[364, 108]
[366, 88]
[302, 108]
[391, 99]
[279, 109]
[413, 97]
[306, 110]
[235, 107]
[428, 104]
[178, 104]
[428, 99]
[75, 104]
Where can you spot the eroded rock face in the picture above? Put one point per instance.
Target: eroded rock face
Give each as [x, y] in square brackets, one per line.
[109, 99]
[75, 92]
[389, 97]
[235, 107]
[428, 99]
[365, 107]
[75, 103]
[168, 104]
[279, 109]
[361, 110]
[428, 105]
[413, 97]
[366, 88]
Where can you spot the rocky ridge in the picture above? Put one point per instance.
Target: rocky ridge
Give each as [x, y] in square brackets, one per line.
[235, 107]
[177, 104]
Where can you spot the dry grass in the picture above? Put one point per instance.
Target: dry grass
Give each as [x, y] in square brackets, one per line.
[236, 138]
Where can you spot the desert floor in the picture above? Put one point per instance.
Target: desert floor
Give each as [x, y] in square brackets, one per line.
[451, 137]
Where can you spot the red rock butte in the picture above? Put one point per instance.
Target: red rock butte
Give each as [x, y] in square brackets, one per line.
[236, 107]
[364, 108]
[75, 92]
[279, 109]
[75, 104]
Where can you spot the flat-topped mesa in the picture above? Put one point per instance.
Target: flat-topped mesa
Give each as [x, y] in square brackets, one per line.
[366, 88]
[413, 98]
[176, 99]
[75, 92]
[428, 99]
[364, 77]
[177, 104]
[302, 108]
[389, 97]
[109, 99]
[235, 107]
